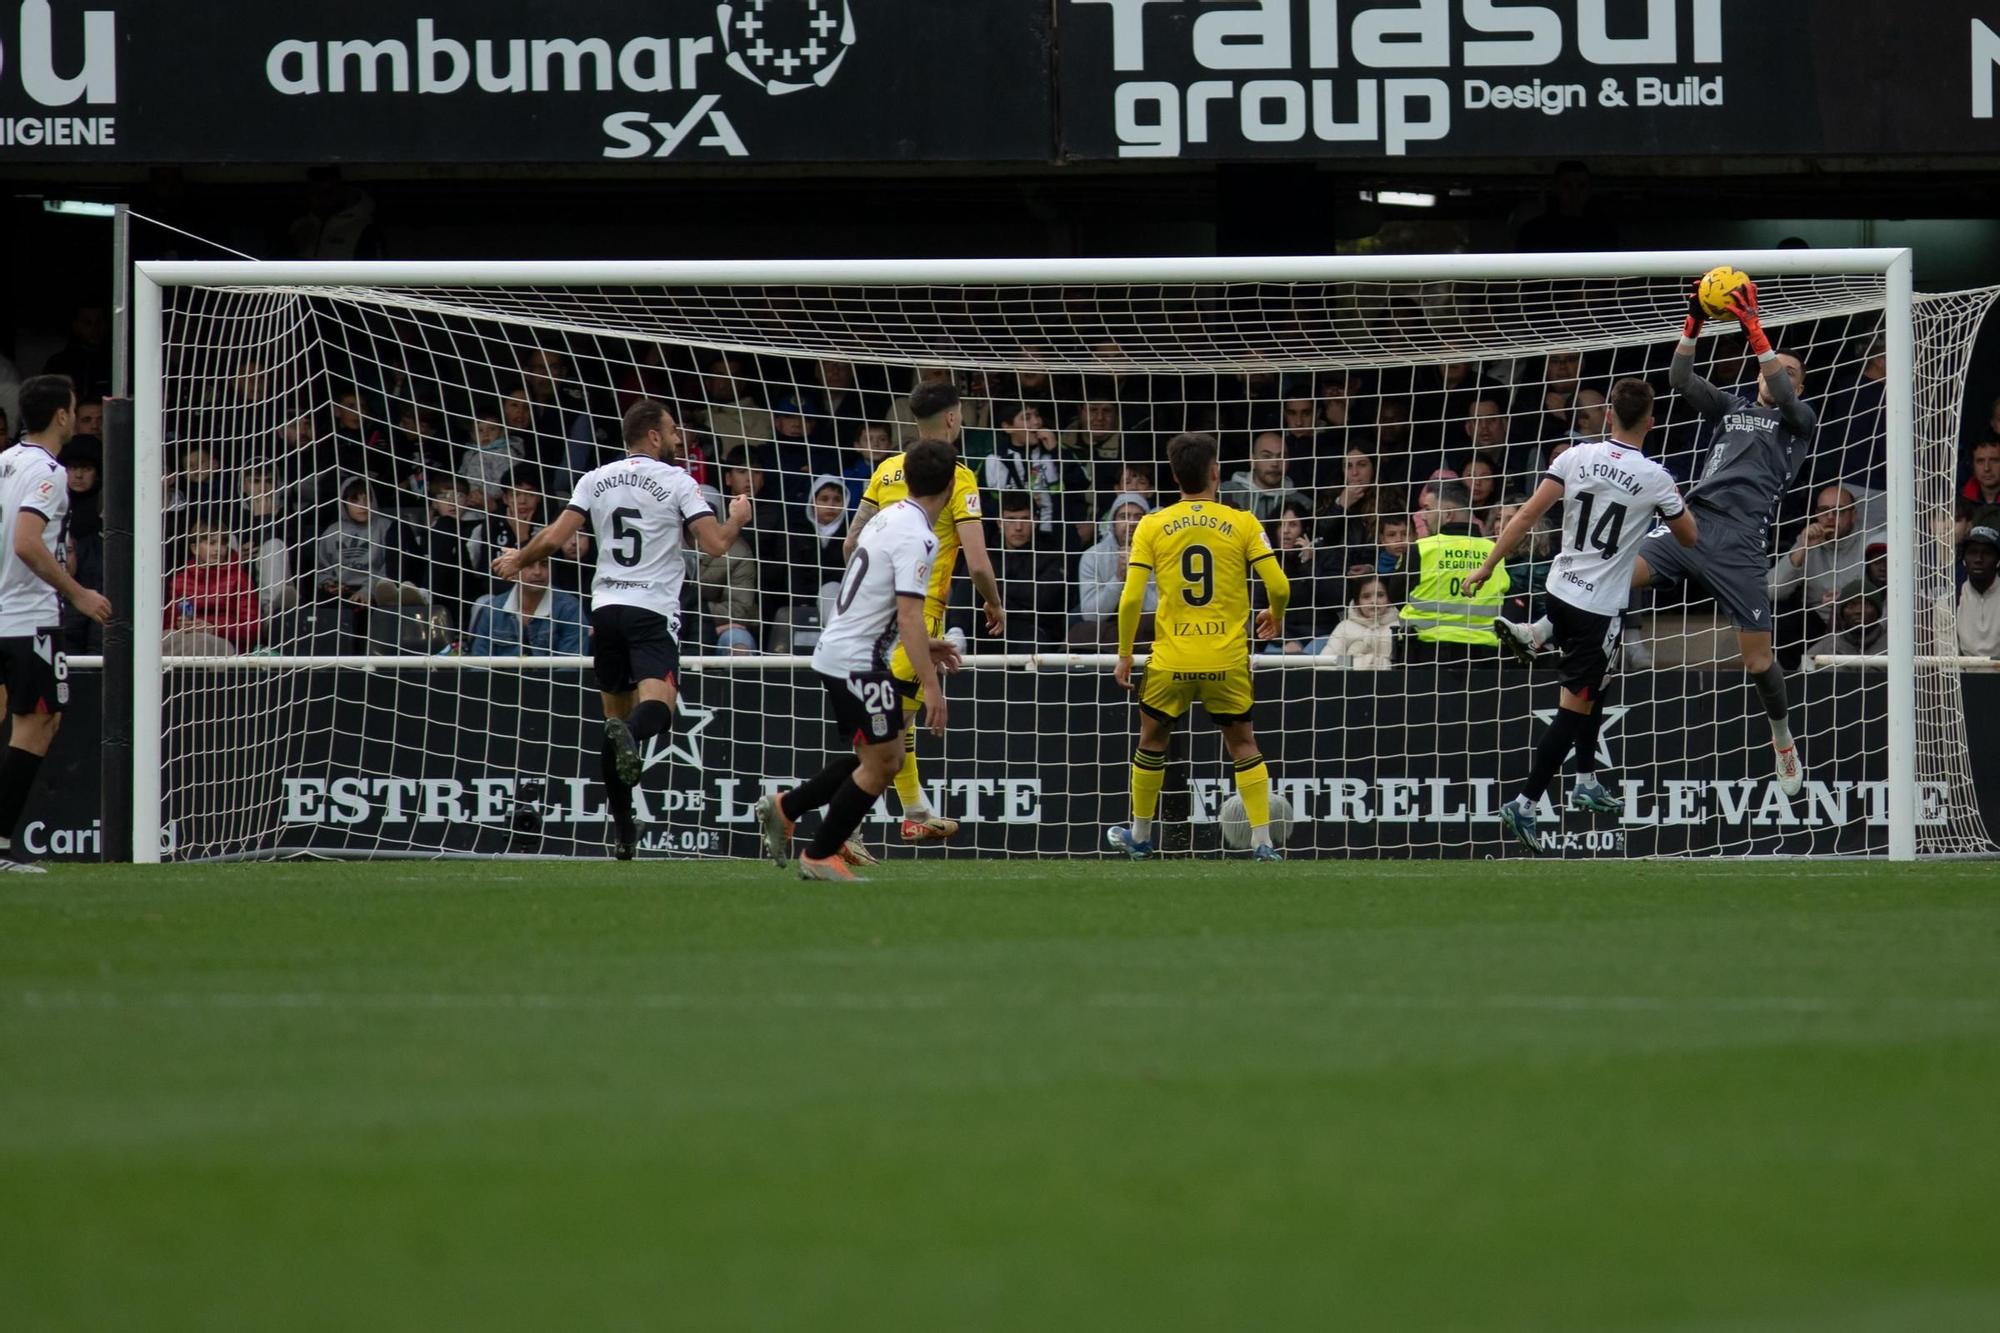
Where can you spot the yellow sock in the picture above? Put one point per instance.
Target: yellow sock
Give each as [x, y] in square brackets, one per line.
[1149, 774]
[909, 787]
[1253, 784]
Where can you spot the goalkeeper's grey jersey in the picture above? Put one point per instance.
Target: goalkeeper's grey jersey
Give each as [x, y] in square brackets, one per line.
[640, 508]
[1757, 451]
[892, 560]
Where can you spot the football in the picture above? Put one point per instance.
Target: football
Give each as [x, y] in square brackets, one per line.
[1236, 827]
[1717, 285]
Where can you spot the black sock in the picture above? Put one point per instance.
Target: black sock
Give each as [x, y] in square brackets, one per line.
[817, 790]
[649, 719]
[616, 789]
[1550, 753]
[850, 805]
[1770, 683]
[1586, 741]
[17, 775]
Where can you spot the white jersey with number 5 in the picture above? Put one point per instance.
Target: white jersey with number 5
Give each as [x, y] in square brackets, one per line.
[892, 559]
[32, 481]
[639, 509]
[1611, 494]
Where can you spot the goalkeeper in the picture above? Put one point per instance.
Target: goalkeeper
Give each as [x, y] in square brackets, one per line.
[1201, 554]
[935, 407]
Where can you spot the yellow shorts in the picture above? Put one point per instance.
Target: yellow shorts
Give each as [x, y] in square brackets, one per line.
[899, 661]
[1226, 695]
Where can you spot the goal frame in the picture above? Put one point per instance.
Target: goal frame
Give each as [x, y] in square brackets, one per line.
[150, 280]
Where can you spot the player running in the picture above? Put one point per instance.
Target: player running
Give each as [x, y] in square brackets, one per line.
[34, 522]
[883, 599]
[1611, 492]
[1759, 449]
[935, 408]
[1201, 553]
[640, 509]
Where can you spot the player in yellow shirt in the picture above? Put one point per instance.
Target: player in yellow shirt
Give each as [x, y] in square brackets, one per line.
[1201, 553]
[935, 407]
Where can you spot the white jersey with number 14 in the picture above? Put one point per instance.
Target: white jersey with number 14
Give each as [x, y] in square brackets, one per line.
[640, 508]
[1611, 493]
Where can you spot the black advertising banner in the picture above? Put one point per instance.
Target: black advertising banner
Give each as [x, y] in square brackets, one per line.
[1406, 763]
[739, 81]
[1307, 79]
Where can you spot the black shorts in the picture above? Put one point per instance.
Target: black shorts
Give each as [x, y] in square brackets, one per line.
[629, 644]
[867, 708]
[1588, 640]
[35, 672]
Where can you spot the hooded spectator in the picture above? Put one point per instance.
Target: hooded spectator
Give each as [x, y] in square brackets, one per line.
[1100, 576]
[819, 531]
[1978, 609]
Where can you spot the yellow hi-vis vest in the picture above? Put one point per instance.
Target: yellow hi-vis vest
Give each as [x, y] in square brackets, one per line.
[1439, 609]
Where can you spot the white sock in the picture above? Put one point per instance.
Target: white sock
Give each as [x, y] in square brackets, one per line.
[1260, 835]
[1542, 629]
[1142, 830]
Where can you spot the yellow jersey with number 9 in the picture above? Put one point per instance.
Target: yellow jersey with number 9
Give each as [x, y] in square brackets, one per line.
[887, 486]
[1201, 553]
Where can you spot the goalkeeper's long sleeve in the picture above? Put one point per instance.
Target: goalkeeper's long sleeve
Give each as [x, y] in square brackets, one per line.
[1131, 605]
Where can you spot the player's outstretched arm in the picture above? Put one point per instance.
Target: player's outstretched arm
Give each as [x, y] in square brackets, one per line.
[979, 567]
[917, 643]
[862, 513]
[1704, 397]
[1517, 528]
[1777, 376]
[540, 546]
[28, 549]
[716, 538]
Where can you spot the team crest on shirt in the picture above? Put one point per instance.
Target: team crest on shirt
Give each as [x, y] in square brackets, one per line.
[786, 46]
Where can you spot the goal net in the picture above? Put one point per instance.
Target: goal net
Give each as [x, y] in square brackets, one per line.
[332, 456]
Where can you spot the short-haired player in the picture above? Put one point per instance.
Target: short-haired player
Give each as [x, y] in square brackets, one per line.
[642, 509]
[880, 606]
[34, 523]
[1611, 494]
[1201, 553]
[934, 405]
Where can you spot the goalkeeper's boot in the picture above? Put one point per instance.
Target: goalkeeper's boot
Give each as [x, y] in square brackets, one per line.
[777, 829]
[1518, 818]
[1595, 797]
[930, 828]
[631, 765]
[1791, 773]
[1266, 852]
[855, 853]
[1120, 837]
[1517, 639]
[832, 870]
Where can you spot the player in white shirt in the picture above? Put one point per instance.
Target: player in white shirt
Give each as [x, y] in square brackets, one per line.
[1611, 493]
[640, 510]
[881, 601]
[34, 523]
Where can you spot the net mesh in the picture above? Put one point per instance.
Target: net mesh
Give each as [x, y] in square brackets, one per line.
[344, 462]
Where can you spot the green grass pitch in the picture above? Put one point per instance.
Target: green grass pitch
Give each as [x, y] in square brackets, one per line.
[1016, 1095]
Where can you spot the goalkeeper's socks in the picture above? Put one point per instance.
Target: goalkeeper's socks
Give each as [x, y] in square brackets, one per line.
[1554, 747]
[909, 786]
[817, 790]
[1149, 774]
[1253, 784]
[651, 718]
[17, 775]
[844, 813]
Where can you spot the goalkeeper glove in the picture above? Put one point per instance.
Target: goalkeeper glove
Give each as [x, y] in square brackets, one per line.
[1743, 305]
[1696, 315]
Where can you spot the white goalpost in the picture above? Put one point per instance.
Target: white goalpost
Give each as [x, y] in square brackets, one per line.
[327, 455]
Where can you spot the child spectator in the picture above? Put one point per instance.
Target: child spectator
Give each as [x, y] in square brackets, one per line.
[484, 467]
[531, 619]
[1392, 554]
[1366, 639]
[211, 605]
[818, 533]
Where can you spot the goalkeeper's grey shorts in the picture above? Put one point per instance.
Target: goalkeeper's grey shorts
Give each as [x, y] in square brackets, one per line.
[1727, 562]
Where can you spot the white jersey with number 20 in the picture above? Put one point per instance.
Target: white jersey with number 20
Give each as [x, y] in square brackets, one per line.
[640, 508]
[1611, 493]
[892, 559]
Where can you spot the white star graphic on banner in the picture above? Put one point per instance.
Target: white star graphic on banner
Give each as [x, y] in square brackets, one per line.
[1613, 715]
[683, 740]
